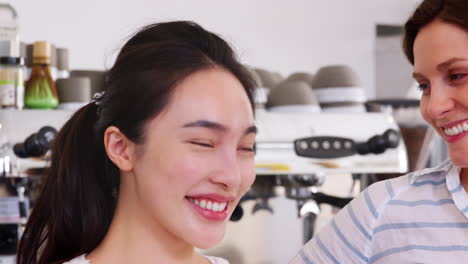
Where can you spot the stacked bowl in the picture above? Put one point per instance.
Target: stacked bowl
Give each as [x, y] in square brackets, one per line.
[338, 89]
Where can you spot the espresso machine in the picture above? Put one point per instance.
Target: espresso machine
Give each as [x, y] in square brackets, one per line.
[296, 151]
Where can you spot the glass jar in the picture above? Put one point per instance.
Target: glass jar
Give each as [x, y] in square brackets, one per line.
[11, 82]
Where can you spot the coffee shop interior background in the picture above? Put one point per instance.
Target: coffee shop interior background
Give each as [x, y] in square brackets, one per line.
[281, 36]
[284, 36]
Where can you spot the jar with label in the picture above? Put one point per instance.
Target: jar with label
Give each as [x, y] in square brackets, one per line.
[11, 82]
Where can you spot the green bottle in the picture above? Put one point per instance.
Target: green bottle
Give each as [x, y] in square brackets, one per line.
[41, 92]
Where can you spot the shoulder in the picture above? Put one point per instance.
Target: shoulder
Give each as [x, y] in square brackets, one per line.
[216, 260]
[351, 233]
[78, 260]
[413, 184]
[422, 184]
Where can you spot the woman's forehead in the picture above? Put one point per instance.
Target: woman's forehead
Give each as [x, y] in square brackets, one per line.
[214, 95]
[438, 43]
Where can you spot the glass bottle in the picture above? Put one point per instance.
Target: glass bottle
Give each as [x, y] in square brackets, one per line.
[41, 92]
[11, 77]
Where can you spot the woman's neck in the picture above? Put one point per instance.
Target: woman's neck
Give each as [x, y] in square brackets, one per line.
[135, 237]
[464, 178]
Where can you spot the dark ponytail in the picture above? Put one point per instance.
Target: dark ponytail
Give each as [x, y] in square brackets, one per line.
[77, 203]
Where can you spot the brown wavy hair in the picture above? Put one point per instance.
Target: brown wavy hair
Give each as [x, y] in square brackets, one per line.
[451, 11]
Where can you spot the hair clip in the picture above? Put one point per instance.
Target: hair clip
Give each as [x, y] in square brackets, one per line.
[97, 97]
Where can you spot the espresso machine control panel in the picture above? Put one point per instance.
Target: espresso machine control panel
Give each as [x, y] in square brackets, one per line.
[337, 147]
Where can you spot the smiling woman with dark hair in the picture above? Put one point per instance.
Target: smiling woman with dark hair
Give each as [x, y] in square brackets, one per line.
[156, 165]
[421, 217]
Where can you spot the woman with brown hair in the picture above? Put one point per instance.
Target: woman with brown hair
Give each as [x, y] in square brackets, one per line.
[155, 166]
[421, 217]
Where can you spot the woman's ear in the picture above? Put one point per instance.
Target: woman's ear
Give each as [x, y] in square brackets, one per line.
[119, 148]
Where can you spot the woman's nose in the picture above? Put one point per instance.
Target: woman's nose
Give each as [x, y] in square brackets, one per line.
[228, 171]
[440, 102]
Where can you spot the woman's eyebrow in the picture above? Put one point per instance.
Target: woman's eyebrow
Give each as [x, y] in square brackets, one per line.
[440, 67]
[444, 65]
[217, 126]
[418, 76]
[206, 124]
[251, 130]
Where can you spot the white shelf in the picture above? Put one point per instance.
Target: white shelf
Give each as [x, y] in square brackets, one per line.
[19, 124]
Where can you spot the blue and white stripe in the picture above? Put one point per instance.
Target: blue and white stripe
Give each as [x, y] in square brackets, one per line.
[418, 218]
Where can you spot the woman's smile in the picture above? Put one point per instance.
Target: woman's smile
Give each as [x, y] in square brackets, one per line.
[212, 207]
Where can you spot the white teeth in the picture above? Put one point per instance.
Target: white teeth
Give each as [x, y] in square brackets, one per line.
[218, 207]
[209, 205]
[221, 207]
[448, 131]
[453, 131]
[456, 129]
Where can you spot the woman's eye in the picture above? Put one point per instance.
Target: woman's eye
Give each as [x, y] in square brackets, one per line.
[455, 77]
[249, 149]
[201, 144]
[423, 86]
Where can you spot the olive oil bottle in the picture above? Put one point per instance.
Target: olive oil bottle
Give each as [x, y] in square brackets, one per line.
[41, 92]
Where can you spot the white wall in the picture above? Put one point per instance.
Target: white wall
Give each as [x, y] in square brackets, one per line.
[393, 71]
[284, 36]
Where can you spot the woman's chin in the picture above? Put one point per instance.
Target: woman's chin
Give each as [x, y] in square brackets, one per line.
[459, 159]
[208, 239]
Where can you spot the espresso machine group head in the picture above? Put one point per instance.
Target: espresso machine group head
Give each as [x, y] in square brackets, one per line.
[37, 144]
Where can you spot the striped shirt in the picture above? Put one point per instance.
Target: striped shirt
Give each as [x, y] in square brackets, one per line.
[418, 218]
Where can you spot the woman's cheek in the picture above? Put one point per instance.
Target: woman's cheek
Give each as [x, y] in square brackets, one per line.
[248, 175]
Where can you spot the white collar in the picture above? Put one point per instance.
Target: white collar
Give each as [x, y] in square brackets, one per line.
[444, 167]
